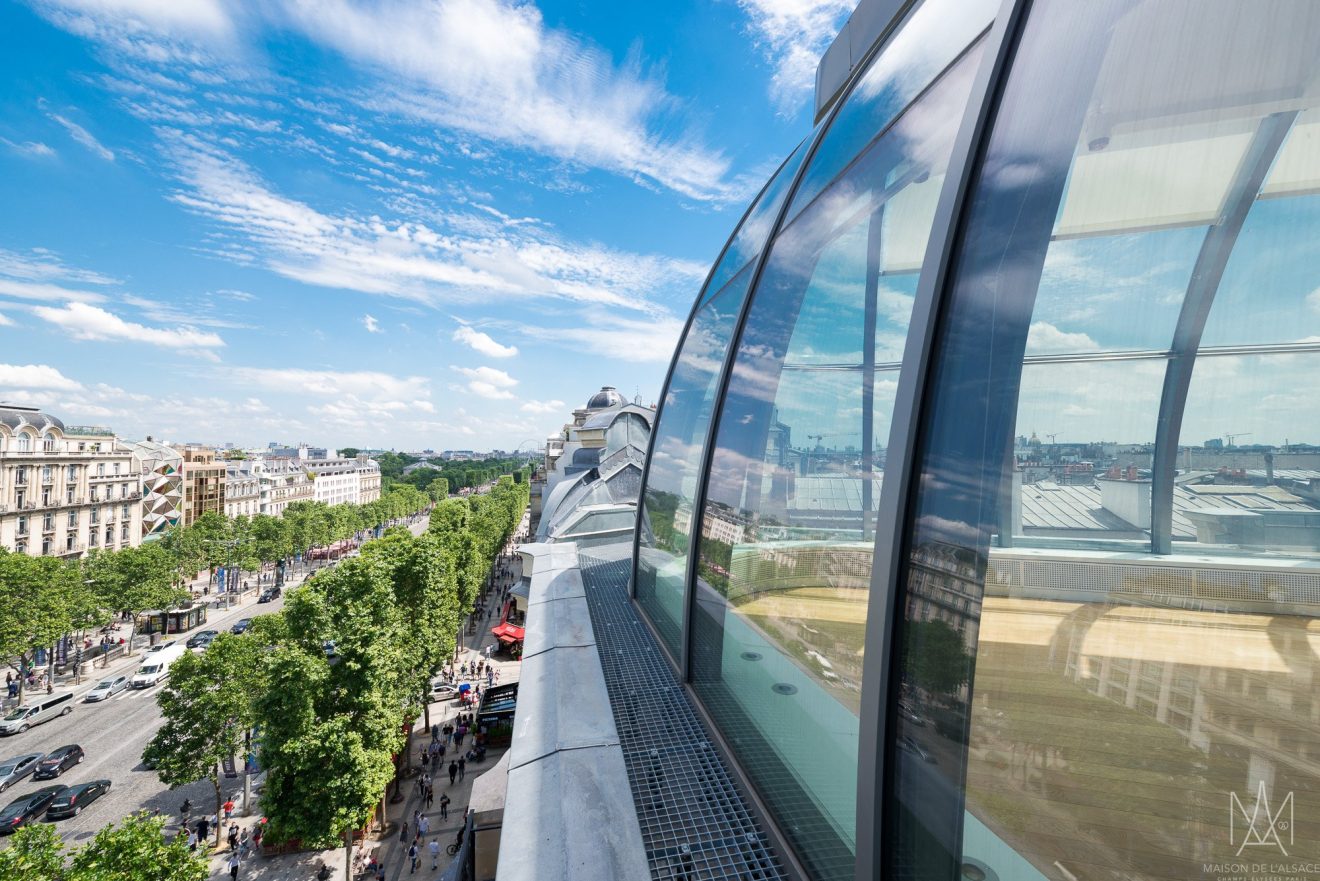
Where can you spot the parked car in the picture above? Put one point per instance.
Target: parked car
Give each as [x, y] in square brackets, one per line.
[15, 769]
[42, 709]
[202, 639]
[910, 745]
[161, 646]
[22, 811]
[73, 799]
[270, 593]
[242, 625]
[58, 761]
[444, 691]
[106, 688]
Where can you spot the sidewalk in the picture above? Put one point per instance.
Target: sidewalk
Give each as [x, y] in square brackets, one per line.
[387, 845]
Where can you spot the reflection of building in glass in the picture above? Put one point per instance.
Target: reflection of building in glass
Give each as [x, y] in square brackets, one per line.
[1032, 256]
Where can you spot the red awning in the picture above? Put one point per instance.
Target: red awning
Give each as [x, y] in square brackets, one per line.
[508, 632]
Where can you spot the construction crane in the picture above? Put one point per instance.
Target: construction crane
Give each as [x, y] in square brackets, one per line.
[1051, 437]
[1229, 438]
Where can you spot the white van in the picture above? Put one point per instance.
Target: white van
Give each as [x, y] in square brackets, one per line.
[156, 666]
[42, 709]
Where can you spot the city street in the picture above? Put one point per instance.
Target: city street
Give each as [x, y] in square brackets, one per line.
[113, 734]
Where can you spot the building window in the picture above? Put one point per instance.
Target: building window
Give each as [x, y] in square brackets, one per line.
[100, 469]
[71, 473]
[20, 498]
[24, 442]
[68, 542]
[46, 545]
[48, 522]
[91, 538]
[124, 511]
[20, 547]
[116, 468]
[96, 515]
[73, 519]
[94, 494]
[21, 474]
[123, 532]
[68, 496]
[45, 497]
[47, 473]
[21, 527]
[109, 534]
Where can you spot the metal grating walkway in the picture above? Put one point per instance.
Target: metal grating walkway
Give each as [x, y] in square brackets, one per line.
[695, 823]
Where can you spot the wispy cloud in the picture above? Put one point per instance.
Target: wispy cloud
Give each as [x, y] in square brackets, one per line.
[481, 342]
[472, 260]
[794, 34]
[371, 324]
[543, 407]
[634, 341]
[84, 137]
[83, 321]
[30, 148]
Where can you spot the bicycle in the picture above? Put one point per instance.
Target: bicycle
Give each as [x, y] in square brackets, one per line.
[453, 848]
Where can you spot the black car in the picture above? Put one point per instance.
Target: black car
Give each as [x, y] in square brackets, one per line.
[202, 639]
[58, 761]
[270, 593]
[21, 811]
[242, 625]
[73, 799]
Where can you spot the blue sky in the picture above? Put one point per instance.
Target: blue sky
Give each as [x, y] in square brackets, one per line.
[404, 223]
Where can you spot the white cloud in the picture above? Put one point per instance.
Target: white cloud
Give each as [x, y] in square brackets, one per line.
[1313, 299]
[635, 341]
[35, 376]
[794, 34]
[332, 384]
[5, 321]
[86, 322]
[84, 137]
[198, 17]
[30, 148]
[43, 265]
[487, 382]
[371, 324]
[543, 407]
[495, 69]
[482, 343]
[473, 259]
[1044, 337]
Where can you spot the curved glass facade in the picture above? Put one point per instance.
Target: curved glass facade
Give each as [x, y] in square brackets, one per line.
[983, 512]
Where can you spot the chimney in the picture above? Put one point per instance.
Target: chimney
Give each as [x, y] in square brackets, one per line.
[1131, 473]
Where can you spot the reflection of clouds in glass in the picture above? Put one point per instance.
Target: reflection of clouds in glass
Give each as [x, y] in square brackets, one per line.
[1096, 401]
[1045, 337]
[1273, 397]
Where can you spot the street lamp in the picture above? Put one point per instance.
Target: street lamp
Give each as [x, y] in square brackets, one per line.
[230, 544]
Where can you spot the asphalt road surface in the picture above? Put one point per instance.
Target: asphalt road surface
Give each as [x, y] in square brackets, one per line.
[113, 734]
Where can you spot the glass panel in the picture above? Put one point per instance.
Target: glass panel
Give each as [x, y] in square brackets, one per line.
[788, 530]
[1256, 491]
[755, 229]
[680, 432]
[933, 35]
[680, 436]
[1073, 712]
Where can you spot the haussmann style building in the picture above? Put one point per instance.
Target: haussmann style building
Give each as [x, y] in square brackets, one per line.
[865, 628]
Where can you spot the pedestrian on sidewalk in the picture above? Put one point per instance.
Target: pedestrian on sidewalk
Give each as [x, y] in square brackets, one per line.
[423, 826]
[233, 837]
[453, 772]
[444, 807]
[430, 794]
[403, 831]
[233, 867]
[412, 858]
[462, 767]
[229, 809]
[434, 848]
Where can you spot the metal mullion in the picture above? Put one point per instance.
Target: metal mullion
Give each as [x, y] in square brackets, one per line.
[898, 488]
[1216, 248]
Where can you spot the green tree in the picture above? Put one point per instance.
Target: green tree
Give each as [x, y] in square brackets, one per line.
[336, 699]
[208, 705]
[34, 852]
[136, 850]
[138, 579]
[936, 657]
[40, 597]
[438, 489]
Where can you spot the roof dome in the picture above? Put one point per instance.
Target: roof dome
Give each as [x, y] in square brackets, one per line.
[606, 398]
[14, 416]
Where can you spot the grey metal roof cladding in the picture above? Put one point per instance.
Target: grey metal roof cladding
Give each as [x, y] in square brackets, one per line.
[605, 420]
[572, 814]
[14, 416]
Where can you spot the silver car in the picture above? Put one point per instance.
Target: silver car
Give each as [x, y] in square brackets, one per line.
[15, 769]
[107, 688]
